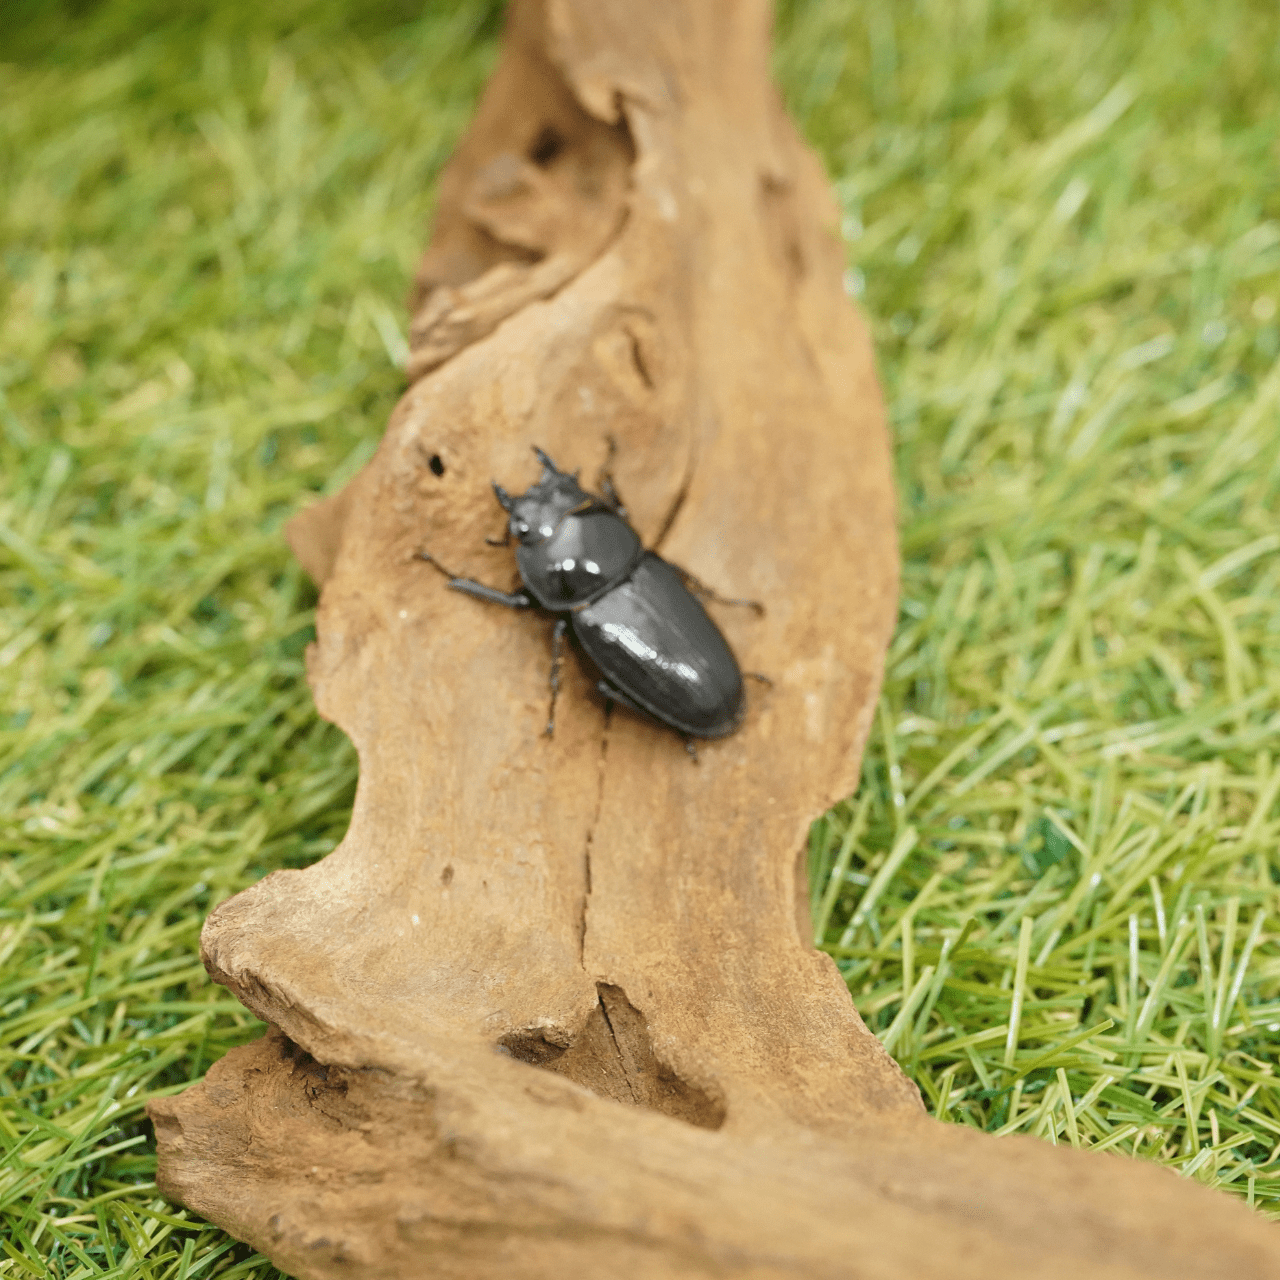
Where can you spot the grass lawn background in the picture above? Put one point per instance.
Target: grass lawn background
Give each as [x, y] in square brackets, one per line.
[1054, 897]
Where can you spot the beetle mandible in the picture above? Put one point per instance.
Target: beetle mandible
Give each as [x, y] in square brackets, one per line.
[633, 614]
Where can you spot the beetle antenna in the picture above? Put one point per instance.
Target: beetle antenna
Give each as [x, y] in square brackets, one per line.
[546, 461]
[502, 495]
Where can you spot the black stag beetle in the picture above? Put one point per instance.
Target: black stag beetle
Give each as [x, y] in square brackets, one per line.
[632, 613]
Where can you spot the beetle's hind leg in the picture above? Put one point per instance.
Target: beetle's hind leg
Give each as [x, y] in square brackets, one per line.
[557, 643]
[700, 588]
[616, 695]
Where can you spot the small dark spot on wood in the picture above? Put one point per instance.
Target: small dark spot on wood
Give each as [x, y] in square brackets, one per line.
[546, 146]
[436, 465]
[446, 876]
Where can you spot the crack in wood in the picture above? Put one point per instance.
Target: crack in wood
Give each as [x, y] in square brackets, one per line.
[601, 762]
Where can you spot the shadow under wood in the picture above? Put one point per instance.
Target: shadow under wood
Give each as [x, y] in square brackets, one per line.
[613, 1057]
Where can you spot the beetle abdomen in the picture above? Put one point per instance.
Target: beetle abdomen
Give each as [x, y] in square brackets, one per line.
[654, 640]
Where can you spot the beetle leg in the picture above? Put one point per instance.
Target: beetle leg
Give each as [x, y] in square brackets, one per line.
[491, 595]
[611, 495]
[432, 561]
[470, 587]
[557, 639]
[604, 479]
[757, 675]
[616, 695]
[700, 588]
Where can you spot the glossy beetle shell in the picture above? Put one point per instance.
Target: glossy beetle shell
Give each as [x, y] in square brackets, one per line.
[654, 640]
[630, 612]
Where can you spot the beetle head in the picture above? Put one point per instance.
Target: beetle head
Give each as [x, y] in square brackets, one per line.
[536, 513]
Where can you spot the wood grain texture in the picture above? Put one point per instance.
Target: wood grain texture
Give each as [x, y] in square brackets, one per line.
[550, 1009]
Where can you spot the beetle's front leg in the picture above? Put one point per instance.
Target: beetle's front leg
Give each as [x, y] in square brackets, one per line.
[604, 481]
[470, 587]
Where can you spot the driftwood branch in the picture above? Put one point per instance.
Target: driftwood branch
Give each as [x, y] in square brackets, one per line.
[551, 1009]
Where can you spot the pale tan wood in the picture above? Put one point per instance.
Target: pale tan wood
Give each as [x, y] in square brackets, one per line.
[551, 1009]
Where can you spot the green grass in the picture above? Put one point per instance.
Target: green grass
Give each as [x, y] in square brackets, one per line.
[1055, 895]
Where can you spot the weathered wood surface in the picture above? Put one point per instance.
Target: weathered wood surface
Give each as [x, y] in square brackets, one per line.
[550, 1008]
